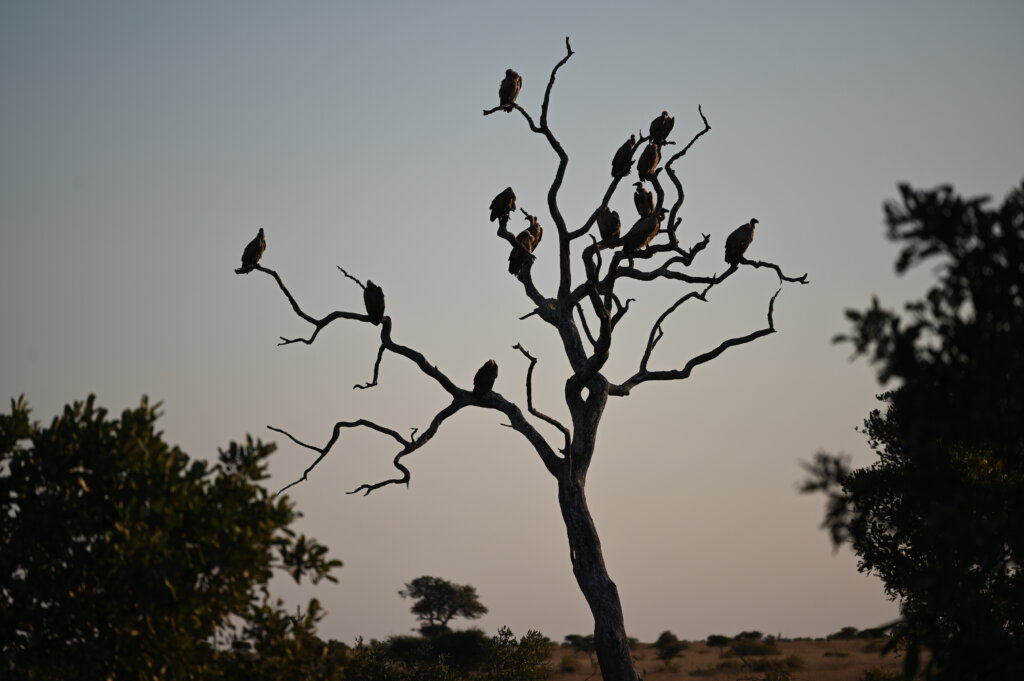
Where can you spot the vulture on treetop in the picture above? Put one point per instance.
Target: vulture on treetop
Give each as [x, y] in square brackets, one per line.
[373, 299]
[483, 381]
[608, 224]
[252, 253]
[643, 200]
[643, 232]
[528, 239]
[503, 204]
[737, 243]
[622, 163]
[509, 89]
[661, 127]
[649, 161]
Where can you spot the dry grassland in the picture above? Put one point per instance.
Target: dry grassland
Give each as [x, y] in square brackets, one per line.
[808, 660]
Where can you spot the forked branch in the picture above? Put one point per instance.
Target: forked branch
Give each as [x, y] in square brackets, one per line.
[529, 399]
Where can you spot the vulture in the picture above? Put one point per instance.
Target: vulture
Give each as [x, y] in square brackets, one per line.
[483, 381]
[643, 232]
[737, 243]
[509, 89]
[643, 200]
[609, 225]
[373, 299]
[252, 253]
[503, 204]
[649, 161]
[661, 127]
[528, 239]
[622, 163]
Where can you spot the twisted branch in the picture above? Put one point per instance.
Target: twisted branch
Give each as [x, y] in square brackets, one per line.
[529, 399]
[644, 376]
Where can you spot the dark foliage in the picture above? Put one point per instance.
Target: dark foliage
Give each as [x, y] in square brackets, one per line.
[940, 515]
[124, 559]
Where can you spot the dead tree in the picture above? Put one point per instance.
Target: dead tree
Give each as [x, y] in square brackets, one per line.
[586, 345]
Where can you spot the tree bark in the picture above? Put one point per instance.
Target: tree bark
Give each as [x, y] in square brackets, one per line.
[610, 641]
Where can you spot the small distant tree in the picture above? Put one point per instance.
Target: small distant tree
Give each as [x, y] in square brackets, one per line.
[125, 559]
[718, 641]
[436, 602]
[669, 646]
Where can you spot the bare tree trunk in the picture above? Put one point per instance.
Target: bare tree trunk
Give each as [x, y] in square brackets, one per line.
[610, 641]
[602, 595]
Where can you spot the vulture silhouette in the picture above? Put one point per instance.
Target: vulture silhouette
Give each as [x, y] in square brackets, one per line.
[528, 239]
[737, 243]
[509, 89]
[503, 204]
[643, 200]
[622, 163]
[608, 224]
[373, 299]
[484, 379]
[649, 161]
[643, 232]
[252, 253]
[661, 127]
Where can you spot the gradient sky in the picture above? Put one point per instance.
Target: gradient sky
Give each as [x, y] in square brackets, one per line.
[142, 145]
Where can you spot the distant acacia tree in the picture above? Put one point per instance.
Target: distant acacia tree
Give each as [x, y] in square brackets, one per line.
[940, 515]
[123, 558]
[584, 312]
[436, 602]
[669, 646]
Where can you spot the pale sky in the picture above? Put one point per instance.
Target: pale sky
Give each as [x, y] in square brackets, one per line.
[142, 145]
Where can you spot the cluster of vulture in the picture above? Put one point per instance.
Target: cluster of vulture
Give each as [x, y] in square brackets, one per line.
[373, 295]
[645, 228]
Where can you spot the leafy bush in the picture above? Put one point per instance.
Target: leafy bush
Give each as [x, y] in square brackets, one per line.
[836, 653]
[844, 634]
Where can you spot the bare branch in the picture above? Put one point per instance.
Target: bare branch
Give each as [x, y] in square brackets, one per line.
[656, 330]
[529, 399]
[644, 376]
[317, 323]
[802, 279]
[376, 374]
[586, 327]
[410, 447]
[361, 285]
[673, 221]
[323, 451]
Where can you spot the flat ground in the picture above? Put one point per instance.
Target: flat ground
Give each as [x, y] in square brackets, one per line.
[806, 660]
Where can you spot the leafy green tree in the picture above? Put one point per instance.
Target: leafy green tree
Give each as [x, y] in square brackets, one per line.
[437, 601]
[718, 641]
[124, 559]
[669, 646]
[940, 515]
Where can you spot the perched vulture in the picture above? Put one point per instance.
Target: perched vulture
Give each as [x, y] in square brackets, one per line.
[509, 89]
[737, 243]
[503, 204]
[643, 232]
[622, 163]
[643, 200]
[373, 299]
[483, 381]
[661, 127]
[649, 161]
[528, 239]
[252, 253]
[609, 225]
